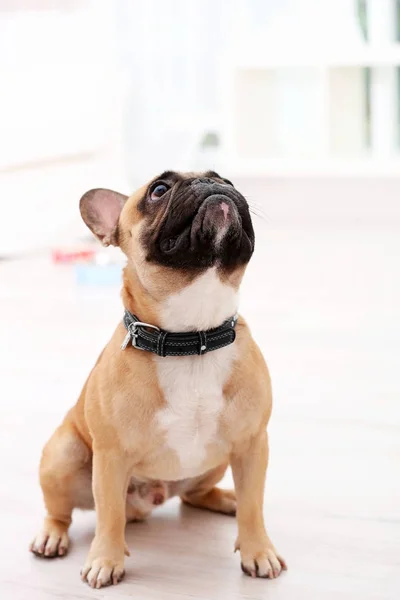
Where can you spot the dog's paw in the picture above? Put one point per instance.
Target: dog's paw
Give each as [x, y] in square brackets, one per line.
[51, 542]
[227, 500]
[99, 572]
[260, 560]
[217, 500]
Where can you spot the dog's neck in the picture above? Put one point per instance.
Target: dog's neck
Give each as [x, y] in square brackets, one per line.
[203, 304]
[137, 300]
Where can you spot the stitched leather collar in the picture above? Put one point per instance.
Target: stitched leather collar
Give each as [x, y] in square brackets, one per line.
[164, 343]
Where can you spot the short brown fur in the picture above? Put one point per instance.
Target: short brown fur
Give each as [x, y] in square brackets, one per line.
[111, 434]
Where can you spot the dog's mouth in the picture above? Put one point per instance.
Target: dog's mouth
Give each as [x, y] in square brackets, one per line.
[202, 223]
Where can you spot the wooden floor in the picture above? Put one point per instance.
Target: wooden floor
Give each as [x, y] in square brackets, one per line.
[323, 301]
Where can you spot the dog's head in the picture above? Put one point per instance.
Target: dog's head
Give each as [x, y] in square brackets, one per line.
[175, 230]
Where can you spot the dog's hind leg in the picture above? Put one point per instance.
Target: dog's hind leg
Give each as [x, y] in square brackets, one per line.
[203, 493]
[65, 478]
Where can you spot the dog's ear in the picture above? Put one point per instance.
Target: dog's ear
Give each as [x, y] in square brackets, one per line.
[100, 209]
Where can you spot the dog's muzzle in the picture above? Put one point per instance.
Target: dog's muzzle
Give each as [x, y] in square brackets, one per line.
[205, 223]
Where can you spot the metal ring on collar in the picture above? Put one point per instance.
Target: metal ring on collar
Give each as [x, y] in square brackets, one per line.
[142, 324]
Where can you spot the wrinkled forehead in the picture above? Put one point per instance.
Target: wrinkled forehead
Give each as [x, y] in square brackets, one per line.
[170, 177]
[176, 176]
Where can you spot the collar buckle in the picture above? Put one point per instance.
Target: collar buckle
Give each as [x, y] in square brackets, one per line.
[133, 330]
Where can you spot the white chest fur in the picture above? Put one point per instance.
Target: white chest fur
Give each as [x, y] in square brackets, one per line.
[193, 385]
[193, 390]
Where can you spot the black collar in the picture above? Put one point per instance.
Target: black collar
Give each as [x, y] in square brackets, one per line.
[153, 339]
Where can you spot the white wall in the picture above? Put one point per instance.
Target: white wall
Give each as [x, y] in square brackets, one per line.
[58, 94]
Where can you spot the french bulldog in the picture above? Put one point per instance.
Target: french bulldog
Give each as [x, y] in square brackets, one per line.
[180, 392]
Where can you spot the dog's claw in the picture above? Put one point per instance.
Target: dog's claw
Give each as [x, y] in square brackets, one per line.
[102, 572]
[50, 544]
[265, 564]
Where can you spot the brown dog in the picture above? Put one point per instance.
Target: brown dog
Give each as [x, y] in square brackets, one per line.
[181, 399]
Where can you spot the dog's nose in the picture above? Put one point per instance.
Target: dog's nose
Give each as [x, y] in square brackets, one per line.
[225, 209]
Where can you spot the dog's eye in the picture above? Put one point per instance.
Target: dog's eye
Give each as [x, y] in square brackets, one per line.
[159, 190]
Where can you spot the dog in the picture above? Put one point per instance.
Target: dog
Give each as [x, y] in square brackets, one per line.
[180, 392]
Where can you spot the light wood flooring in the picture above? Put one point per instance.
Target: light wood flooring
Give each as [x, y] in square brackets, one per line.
[323, 300]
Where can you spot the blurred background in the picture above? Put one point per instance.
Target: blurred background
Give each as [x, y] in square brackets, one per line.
[108, 93]
[298, 103]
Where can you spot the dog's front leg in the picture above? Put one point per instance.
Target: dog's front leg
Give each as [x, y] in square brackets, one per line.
[249, 464]
[105, 562]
